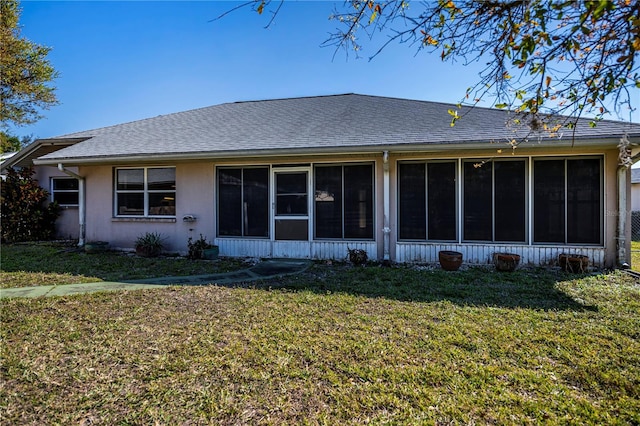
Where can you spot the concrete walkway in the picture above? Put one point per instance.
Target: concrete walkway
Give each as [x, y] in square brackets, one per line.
[268, 269]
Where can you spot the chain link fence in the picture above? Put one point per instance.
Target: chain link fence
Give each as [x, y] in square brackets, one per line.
[635, 226]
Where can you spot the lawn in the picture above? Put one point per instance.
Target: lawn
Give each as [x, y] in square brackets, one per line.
[335, 345]
[24, 265]
[635, 255]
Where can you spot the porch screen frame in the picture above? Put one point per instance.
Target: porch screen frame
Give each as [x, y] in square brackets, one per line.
[567, 186]
[346, 195]
[495, 218]
[428, 225]
[241, 208]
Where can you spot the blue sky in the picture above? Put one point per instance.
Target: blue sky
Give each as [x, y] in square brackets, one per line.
[124, 61]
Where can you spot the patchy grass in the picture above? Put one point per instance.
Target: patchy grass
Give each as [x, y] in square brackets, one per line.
[635, 255]
[25, 265]
[336, 345]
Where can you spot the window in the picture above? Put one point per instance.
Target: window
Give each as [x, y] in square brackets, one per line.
[568, 201]
[494, 201]
[243, 202]
[427, 201]
[146, 191]
[478, 201]
[291, 194]
[344, 201]
[64, 191]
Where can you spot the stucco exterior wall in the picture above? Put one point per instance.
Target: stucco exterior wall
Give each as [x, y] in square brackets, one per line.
[194, 196]
[67, 224]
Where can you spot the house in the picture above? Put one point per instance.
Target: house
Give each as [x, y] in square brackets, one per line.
[310, 177]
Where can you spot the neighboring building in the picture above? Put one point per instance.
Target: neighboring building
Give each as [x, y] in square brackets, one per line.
[311, 177]
[4, 157]
[635, 204]
[635, 190]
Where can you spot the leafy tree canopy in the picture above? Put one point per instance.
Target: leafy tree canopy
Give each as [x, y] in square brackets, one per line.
[540, 56]
[12, 143]
[25, 72]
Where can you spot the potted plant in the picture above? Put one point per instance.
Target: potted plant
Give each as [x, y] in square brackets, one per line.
[357, 256]
[506, 262]
[450, 260]
[149, 244]
[202, 249]
[577, 263]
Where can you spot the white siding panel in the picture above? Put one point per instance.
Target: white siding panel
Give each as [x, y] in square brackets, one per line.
[291, 249]
[334, 250]
[244, 247]
[337, 250]
[482, 254]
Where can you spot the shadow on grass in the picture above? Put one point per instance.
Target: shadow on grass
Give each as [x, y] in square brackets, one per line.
[109, 266]
[532, 289]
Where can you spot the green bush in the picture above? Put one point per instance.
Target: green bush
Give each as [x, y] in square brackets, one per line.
[197, 247]
[26, 215]
[149, 244]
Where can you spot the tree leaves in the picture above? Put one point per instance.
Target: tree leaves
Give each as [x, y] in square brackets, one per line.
[588, 50]
[26, 73]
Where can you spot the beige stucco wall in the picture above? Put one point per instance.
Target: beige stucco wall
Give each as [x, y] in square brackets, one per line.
[195, 195]
[67, 226]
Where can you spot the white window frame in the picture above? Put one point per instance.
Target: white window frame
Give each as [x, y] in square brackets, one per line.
[145, 191]
[54, 191]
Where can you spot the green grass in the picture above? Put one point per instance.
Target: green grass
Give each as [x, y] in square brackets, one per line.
[635, 255]
[335, 345]
[25, 265]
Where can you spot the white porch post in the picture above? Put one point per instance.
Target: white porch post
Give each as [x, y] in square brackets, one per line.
[386, 230]
[622, 258]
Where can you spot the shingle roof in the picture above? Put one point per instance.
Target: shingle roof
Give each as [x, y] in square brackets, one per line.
[318, 124]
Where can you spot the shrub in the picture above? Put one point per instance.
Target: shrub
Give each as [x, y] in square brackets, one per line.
[357, 256]
[197, 247]
[149, 244]
[26, 213]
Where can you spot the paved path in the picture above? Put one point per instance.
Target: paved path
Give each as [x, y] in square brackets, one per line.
[268, 269]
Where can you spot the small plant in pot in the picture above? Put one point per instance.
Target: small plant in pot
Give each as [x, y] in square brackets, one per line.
[506, 262]
[149, 244]
[357, 256]
[201, 249]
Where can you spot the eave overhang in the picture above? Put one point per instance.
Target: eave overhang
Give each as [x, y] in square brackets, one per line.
[592, 143]
[28, 156]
